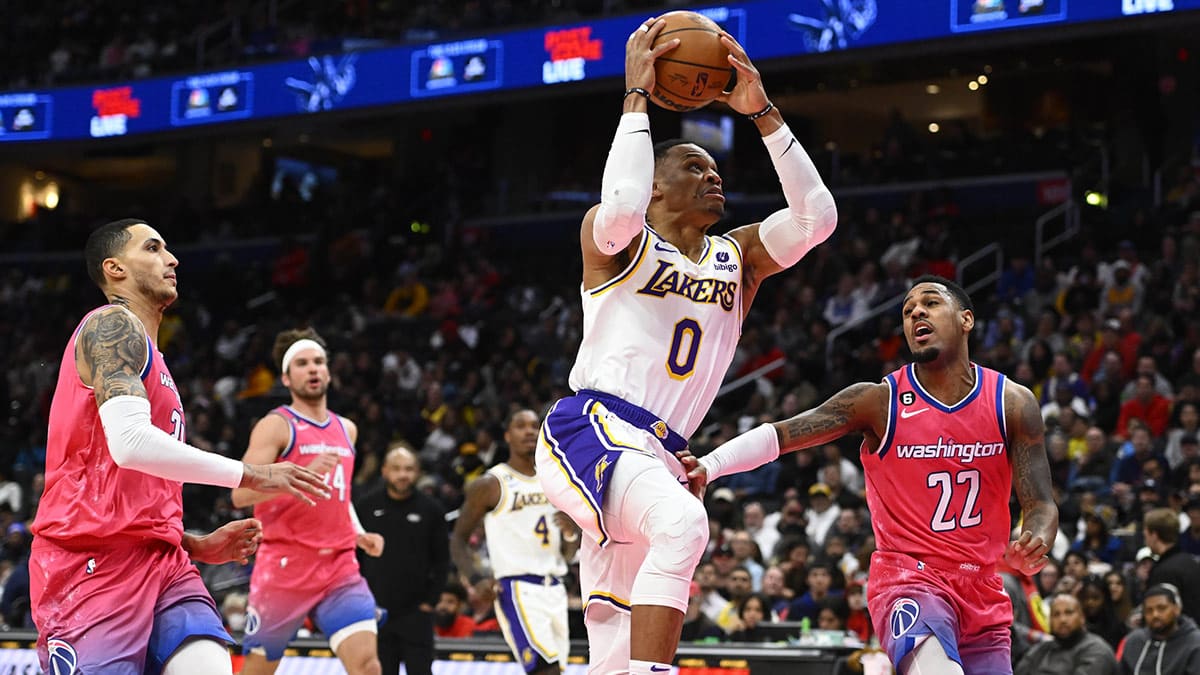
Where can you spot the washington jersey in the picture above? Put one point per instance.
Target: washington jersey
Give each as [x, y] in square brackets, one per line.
[89, 499]
[949, 466]
[662, 333]
[521, 535]
[291, 522]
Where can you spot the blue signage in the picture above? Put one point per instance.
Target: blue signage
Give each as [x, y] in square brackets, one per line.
[523, 59]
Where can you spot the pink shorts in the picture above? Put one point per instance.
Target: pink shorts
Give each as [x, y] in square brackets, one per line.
[966, 609]
[284, 589]
[120, 610]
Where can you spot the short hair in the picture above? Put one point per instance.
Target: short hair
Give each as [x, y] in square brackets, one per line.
[661, 148]
[508, 419]
[105, 242]
[1168, 591]
[287, 338]
[1164, 523]
[457, 590]
[959, 293]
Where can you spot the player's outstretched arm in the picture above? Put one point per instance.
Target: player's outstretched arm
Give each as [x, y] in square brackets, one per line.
[787, 235]
[110, 353]
[858, 408]
[616, 223]
[1031, 478]
[483, 494]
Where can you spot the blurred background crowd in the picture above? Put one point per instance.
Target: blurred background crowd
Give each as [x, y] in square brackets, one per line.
[446, 282]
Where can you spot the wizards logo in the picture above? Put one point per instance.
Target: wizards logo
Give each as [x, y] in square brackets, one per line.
[905, 613]
[61, 657]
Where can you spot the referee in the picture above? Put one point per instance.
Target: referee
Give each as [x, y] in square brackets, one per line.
[408, 578]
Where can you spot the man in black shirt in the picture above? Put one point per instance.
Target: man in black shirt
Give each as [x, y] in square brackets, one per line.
[1160, 528]
[408, 578]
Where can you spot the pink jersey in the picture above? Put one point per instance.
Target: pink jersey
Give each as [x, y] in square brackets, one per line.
[88, 499]
[291, 525]
[938, 487]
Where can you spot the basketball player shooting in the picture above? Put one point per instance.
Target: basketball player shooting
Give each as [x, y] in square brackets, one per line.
[943, 439]
[672, 300]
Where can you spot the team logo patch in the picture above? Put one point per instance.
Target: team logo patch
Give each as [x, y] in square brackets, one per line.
[527, 655]
[907, 398]
[660, 429]
[253, 621]
[601, 469]
[905, 613]
[61, 657]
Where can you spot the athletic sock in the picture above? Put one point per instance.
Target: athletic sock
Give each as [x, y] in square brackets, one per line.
[648, 667]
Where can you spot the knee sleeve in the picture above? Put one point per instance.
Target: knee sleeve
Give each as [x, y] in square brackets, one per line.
[677, 531]
[199, 655]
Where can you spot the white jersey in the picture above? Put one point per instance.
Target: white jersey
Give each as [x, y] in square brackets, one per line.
[662, 333]
[521, 535]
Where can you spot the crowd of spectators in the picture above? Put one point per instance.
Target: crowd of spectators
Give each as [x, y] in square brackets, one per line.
[85, 40]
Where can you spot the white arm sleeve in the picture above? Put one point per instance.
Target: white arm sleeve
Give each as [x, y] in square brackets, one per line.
[743, 453]
[135, 443]
[358, 528]
[811, 215]
[626, 186]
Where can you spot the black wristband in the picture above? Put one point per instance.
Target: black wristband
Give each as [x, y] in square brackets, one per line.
[637, 90]
[760, 113]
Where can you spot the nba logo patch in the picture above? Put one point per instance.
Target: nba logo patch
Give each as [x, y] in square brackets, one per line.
[907, 398]
[61, 657]
[905, 612]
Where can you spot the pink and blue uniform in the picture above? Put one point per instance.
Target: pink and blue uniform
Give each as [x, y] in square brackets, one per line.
[112, 589]
[306, 563]
[938, 489]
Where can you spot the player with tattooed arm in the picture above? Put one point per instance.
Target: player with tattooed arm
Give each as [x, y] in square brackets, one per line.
[112, 587]
[944, 442]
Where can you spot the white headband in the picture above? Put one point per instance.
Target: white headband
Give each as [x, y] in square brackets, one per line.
[297, 347]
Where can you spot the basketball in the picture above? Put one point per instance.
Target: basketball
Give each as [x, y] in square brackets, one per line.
[696, 72]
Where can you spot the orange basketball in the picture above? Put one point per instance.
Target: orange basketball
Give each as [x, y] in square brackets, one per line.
[693, 74]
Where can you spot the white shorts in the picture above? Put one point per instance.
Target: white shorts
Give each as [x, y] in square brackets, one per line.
[533, 617]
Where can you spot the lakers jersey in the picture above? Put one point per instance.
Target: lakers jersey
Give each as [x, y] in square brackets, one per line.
[662, 333]
[951, 464]
[521, 535]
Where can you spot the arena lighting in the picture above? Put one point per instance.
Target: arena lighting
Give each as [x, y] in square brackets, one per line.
[973, 85]
[50, 196]
[934, 128]
[982, 79]
[1097, 199]
[932, 89]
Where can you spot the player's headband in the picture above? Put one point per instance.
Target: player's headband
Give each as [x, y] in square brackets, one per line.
[297, 347]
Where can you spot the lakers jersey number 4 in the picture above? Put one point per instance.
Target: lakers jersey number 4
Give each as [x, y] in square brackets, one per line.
[521, 535]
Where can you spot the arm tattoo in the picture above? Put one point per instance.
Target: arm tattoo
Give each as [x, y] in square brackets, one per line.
[832, 419]
[114, 353]
[1031, 468]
